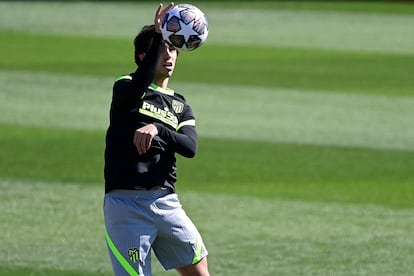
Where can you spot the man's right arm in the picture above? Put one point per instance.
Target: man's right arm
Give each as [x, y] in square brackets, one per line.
[146, 71]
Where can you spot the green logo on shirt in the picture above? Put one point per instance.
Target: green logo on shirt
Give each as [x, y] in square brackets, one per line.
[164, 115]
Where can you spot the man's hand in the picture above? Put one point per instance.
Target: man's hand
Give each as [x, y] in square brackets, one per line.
[143, 137]
[159, 14]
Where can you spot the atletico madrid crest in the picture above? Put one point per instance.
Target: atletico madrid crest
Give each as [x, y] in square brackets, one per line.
[177, 106]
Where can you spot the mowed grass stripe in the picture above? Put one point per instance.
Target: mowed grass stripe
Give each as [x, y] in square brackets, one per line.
[57, 227]
[284, 115]
[246, 168]
[305, 69]
[280, 236]
[334, 30]
[303, 172]
[279, 115]
[368, 6]
[69, 55]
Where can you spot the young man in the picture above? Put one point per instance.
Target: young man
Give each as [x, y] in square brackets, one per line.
[149, 124]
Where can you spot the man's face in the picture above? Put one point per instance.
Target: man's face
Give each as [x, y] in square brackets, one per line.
[166, 62]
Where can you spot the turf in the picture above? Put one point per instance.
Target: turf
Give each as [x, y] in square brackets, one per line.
[304, 113]
[322, 70]
[295, 237]
[306, 172]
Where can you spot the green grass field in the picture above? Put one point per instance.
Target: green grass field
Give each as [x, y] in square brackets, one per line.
[305, 113]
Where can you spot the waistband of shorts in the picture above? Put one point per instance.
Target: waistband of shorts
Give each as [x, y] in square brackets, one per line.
[154, 188]
[145, 192]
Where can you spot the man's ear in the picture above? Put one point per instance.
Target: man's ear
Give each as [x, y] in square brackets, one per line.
[141, 56]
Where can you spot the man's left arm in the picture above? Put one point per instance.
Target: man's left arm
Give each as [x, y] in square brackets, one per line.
[184, 141]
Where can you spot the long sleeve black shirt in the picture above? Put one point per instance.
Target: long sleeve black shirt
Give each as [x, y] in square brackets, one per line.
[136, 101]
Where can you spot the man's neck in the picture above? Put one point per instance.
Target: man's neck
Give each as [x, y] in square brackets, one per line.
[162, 83]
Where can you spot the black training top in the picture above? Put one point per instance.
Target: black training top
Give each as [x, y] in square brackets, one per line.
[132, 108]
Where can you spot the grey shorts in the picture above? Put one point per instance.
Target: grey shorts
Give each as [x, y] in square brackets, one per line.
[137, 221]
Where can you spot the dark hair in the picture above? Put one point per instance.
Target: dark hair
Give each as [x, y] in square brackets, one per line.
[143, 40]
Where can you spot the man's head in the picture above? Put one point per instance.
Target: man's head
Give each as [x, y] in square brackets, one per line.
[142, 42]
[167, 58]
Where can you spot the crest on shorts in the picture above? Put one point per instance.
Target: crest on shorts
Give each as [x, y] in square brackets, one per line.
[133, 254]
[177, 106]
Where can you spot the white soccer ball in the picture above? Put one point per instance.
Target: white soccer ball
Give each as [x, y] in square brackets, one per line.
[185, 27]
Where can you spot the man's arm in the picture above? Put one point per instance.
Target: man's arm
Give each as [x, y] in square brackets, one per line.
[146, 71]
[183, 142]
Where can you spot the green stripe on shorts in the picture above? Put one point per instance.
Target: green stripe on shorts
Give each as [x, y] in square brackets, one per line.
[197, 256]
[125, 264]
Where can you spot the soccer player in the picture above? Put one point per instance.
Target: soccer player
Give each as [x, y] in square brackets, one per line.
[149, 124]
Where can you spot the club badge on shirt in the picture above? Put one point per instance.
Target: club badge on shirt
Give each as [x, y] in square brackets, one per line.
[177, 106]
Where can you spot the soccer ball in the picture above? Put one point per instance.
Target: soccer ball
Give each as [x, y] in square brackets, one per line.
[185, 27]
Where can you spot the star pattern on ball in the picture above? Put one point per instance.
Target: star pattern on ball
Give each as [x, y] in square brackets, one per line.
[186, 30]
